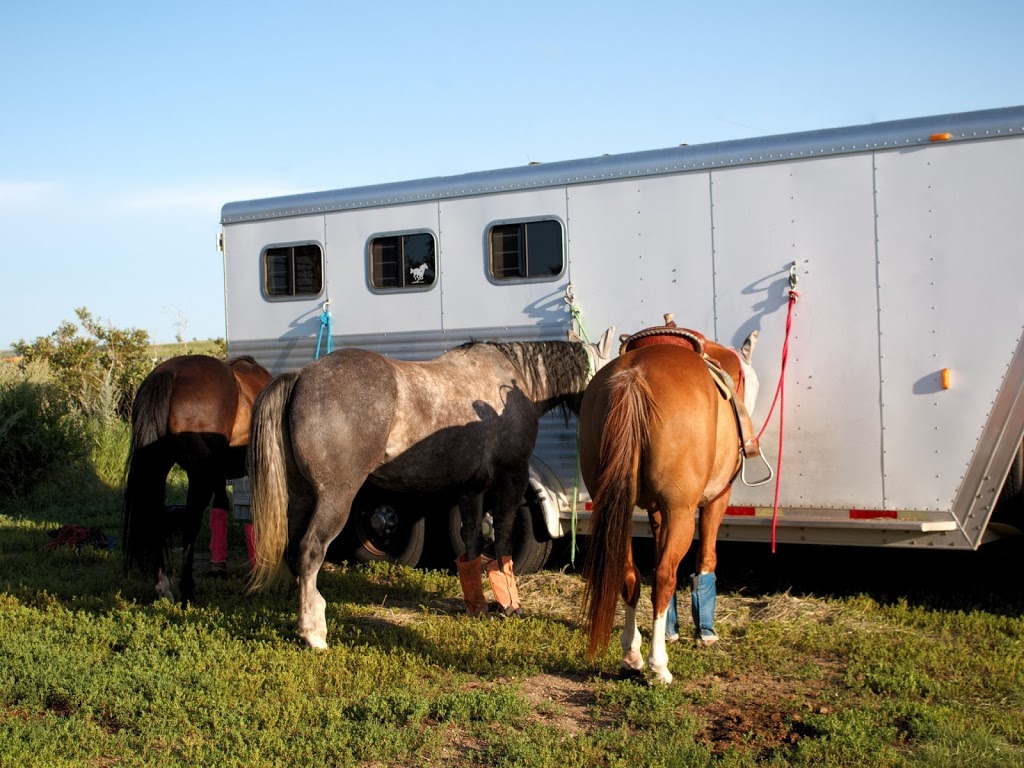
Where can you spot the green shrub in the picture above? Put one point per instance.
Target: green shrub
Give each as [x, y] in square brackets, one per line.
[40, 429]
[104, 363]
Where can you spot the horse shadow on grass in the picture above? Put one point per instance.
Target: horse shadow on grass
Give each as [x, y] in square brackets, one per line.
[985, 580]
[955, 580]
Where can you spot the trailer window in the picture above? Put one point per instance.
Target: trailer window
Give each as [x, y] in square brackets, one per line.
[293, 270]
[530, 249]
[402, 261]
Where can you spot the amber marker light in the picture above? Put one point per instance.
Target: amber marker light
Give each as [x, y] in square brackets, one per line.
[946, 378]
[941, 136]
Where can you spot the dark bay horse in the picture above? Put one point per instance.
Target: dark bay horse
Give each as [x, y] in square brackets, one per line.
[466, 422]
[657, 432]
[192, 411]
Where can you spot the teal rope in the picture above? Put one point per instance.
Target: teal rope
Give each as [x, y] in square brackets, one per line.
[325, 322]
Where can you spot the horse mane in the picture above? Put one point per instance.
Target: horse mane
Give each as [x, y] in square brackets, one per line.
[561, 367]
[249, 359]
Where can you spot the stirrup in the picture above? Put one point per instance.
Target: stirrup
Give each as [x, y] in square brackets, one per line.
[743, 473]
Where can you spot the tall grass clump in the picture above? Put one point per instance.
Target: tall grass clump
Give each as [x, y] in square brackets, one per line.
[109, 435]
[42, 429]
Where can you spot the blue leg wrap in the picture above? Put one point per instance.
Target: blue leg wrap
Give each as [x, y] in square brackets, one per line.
[672, 621]
[703, 606]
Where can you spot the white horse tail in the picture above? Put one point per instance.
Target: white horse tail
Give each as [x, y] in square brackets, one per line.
[268, 480]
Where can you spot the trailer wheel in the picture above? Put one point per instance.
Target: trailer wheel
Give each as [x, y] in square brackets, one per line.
[1010, 506]
[531, 545]
[384, 527]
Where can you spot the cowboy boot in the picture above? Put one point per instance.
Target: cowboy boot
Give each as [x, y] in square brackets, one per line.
[702, 607]
[218, 542]
[472, 584]
[503, 584]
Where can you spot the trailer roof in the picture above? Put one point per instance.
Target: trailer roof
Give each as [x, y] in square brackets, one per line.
[964, 126]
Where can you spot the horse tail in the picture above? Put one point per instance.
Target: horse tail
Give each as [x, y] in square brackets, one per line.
[142, 532]
[624, 440]
[268, 479]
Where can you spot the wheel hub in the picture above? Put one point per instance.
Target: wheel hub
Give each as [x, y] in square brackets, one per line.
[383, 520]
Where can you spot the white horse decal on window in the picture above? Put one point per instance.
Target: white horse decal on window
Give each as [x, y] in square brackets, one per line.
[418, 273]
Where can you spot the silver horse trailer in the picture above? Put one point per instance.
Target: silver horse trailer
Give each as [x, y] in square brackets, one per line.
[903, 413]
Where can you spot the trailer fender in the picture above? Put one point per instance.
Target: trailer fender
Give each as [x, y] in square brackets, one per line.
[551, 496]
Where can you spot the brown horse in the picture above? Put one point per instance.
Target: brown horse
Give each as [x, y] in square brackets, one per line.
[465, 423]
[657, 432]
[192, 411]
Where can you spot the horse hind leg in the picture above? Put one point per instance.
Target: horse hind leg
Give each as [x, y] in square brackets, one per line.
[508, 491]
[323, 527]
[630, 639]
[470, 562]
[312, 613]
[672, 541]
[200, 491]
[163, 585]
[145, 516]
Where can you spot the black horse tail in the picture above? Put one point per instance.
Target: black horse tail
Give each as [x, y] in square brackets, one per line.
[268, 479]
[142, 531]
[624, 440]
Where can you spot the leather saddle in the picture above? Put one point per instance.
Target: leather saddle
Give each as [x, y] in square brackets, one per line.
[670, 333]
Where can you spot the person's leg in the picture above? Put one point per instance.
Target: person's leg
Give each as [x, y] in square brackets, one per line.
[672, 622]
[218, 540]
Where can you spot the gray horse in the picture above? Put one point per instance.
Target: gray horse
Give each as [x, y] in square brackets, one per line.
[464, 422]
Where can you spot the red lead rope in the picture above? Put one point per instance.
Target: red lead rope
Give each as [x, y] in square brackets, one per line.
[780, 398]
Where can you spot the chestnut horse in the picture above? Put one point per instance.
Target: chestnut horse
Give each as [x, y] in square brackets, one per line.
[192, 411]
[657, 432]
[465, 422]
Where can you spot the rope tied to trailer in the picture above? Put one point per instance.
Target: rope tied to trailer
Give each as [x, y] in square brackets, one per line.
[780, 397]
[325, 323]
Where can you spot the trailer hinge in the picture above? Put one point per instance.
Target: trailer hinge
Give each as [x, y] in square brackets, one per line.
[220, 242]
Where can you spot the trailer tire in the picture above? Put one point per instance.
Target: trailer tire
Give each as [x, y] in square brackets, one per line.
[531, 545]
[383, 527]
[1010, 506]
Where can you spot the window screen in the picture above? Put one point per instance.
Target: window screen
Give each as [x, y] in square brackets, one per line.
[403, 261]
[293, 270]
[530, 249]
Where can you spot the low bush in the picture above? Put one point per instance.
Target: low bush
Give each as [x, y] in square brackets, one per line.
[41, 429]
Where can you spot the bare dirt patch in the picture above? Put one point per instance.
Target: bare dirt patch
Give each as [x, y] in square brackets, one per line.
[561, 701]
[753, 710]
[757, 711]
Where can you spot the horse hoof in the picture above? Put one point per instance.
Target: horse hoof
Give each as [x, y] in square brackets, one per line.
[628, 673]
[661, 676]
[632, 662]
[163, 587]
[316, 643]
[217, 570]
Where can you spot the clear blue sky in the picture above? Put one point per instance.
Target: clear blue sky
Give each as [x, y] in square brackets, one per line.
[124, 127]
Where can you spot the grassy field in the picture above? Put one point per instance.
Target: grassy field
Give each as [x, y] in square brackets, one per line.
[207, 347]
[828, 658]
[163, 351]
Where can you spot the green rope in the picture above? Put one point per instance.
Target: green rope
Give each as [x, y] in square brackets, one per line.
[575, 499]
[577, 317]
